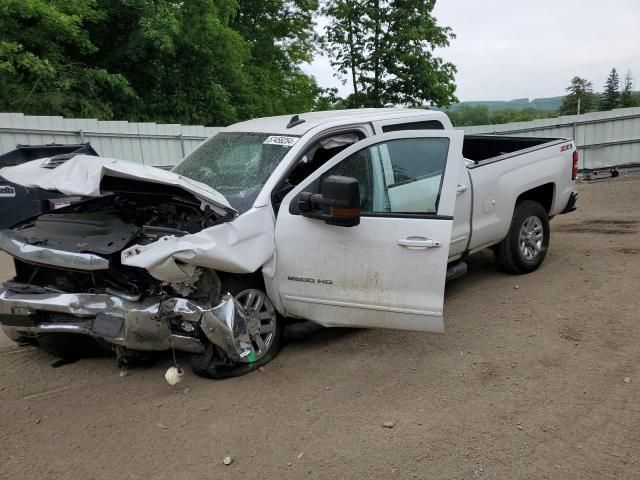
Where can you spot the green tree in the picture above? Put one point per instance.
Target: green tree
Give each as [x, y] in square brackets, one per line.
[510, 115]
[44, 60]
[280, 35]
[190, 61]
[611, 96]
[580, 99]
[183, 59]
[210, 61]
[387, 48]
[345, 38]
[627, 97]
[328, 99]
[467, 115]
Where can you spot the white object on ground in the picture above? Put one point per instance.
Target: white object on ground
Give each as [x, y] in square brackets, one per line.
[174, 375]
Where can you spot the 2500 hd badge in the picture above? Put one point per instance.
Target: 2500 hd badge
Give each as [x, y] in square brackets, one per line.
[310, 280]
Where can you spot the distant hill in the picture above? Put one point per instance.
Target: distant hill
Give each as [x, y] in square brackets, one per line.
[543, 104]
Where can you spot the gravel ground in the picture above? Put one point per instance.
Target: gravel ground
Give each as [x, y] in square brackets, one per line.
[536, 377]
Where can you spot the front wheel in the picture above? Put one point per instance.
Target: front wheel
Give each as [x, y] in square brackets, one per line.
[265, 326]
[526, 244]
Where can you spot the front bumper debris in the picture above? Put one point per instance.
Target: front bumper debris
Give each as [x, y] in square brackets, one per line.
[138, 325]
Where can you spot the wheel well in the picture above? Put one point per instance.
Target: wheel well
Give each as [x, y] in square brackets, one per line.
[542, 194]
[255, 279]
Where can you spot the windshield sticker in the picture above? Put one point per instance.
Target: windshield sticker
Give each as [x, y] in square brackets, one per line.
[281, 140]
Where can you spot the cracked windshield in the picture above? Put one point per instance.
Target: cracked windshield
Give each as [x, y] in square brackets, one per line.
[236, 164]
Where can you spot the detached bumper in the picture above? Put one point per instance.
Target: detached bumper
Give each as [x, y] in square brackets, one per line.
[149, 324]
[571, 204]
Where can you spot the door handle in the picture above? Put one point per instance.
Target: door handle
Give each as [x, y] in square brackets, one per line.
[460, 189]
[419, 243]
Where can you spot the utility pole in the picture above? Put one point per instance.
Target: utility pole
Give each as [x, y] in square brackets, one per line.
[578, 105]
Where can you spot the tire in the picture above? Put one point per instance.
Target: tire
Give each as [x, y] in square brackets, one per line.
[526, 244]
[213, 363]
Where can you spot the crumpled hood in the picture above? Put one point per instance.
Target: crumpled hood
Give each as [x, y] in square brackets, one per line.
[83, 174]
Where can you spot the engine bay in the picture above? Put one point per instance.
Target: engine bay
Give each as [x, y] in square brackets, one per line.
[105, 226]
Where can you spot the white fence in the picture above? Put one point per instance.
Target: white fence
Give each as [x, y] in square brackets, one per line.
[604, 139]
[147, 143]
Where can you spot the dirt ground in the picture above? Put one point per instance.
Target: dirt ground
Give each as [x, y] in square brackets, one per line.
[529, 381]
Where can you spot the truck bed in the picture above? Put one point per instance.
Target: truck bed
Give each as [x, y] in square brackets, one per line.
[484, 148]
[499, 170]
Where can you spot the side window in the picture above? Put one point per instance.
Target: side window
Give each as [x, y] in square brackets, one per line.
[320, 153]
[314, 157]
[360, 166]
[398, 176]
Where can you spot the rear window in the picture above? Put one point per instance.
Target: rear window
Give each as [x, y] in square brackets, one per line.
[414, 160]
[424, 125]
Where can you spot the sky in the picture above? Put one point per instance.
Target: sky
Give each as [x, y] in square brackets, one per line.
[507, 49]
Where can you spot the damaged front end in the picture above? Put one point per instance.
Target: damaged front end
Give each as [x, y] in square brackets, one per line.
[151, 324]
[73, 277]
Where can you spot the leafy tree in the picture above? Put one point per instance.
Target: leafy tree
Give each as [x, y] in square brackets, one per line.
[627, 97]
[211, 61]
[44, 67]
[328, 99]
[182, 58]
[510, 115]
[345, 38]
[580, 93]
[611, 96]
[280, 35]
[468, 115]
[189, 61]
[387, 48]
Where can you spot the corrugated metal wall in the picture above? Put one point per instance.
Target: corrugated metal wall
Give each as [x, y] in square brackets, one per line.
[604, 138]
[147, 143]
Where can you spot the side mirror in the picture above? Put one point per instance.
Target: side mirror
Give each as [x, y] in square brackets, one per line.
[337, 204]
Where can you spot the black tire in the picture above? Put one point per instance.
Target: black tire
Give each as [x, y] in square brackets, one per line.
[69, 346]
[213, 363]
[509, 252]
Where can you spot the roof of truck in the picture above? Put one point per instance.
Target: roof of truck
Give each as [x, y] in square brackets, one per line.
[279, 123]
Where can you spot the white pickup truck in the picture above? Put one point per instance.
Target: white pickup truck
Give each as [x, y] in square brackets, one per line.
[344, 218]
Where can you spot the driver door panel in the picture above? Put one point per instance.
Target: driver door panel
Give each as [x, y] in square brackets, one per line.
[389, 271]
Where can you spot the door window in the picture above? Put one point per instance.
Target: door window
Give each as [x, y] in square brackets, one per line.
[401, 176]
[313, 158]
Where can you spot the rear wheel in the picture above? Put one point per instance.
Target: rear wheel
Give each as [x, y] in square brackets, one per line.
[265, 326]
[526, 244]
